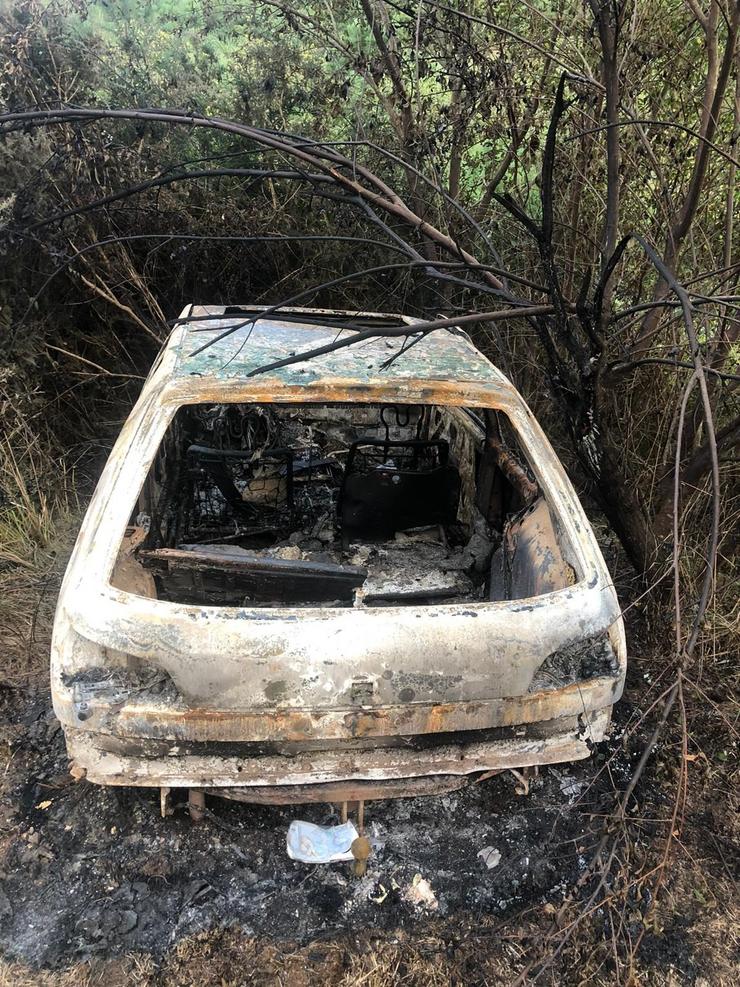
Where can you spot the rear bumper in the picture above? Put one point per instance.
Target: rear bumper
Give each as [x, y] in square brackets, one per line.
[130, 719]
[119, 734]
[371, 760]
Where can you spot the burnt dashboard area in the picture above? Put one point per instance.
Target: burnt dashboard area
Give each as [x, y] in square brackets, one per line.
[341, 505]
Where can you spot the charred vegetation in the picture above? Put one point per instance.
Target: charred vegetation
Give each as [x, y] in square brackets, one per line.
[560, 183]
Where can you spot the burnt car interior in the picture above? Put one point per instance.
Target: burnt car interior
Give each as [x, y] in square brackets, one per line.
[340, 505]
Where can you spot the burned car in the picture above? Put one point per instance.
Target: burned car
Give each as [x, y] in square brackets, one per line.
[364, 574]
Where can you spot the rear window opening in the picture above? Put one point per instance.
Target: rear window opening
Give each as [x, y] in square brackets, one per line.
[340, 505]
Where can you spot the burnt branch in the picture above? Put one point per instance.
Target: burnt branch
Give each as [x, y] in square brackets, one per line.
[665, 361]
[347, 173]
[256, 174]
[333, 283]
[712, 455]
[408, 329]
[194, 237]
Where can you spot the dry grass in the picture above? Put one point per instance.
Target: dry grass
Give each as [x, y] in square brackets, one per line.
[232, 959]
[38, 515]
[130, 972]
[452, 955]
[444, 956]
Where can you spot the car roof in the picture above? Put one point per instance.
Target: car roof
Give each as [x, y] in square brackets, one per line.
[446, 355]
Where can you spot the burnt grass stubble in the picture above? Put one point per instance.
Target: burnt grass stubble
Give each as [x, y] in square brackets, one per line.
[88, 871]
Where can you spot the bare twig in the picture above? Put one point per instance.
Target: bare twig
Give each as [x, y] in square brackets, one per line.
[409, 329]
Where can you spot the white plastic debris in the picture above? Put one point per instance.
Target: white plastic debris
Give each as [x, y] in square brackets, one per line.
[490, 856]
[313, 844]
[420, 894]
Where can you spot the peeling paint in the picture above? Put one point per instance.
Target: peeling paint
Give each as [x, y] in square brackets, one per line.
[322, 674]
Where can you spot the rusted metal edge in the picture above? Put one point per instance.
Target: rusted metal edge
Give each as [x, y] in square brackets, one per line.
[180, 723]
[343, 791]
[495, 394]
[209, 771]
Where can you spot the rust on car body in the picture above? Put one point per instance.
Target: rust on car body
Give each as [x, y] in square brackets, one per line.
[510, 621]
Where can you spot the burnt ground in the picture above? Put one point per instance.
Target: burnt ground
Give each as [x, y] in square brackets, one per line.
[90, 870]
[90, 873]
[97, 889]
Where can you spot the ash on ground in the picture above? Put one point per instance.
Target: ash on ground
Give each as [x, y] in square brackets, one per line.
[89, 871]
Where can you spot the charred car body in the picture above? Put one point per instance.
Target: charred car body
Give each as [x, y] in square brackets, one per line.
[336, 579]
